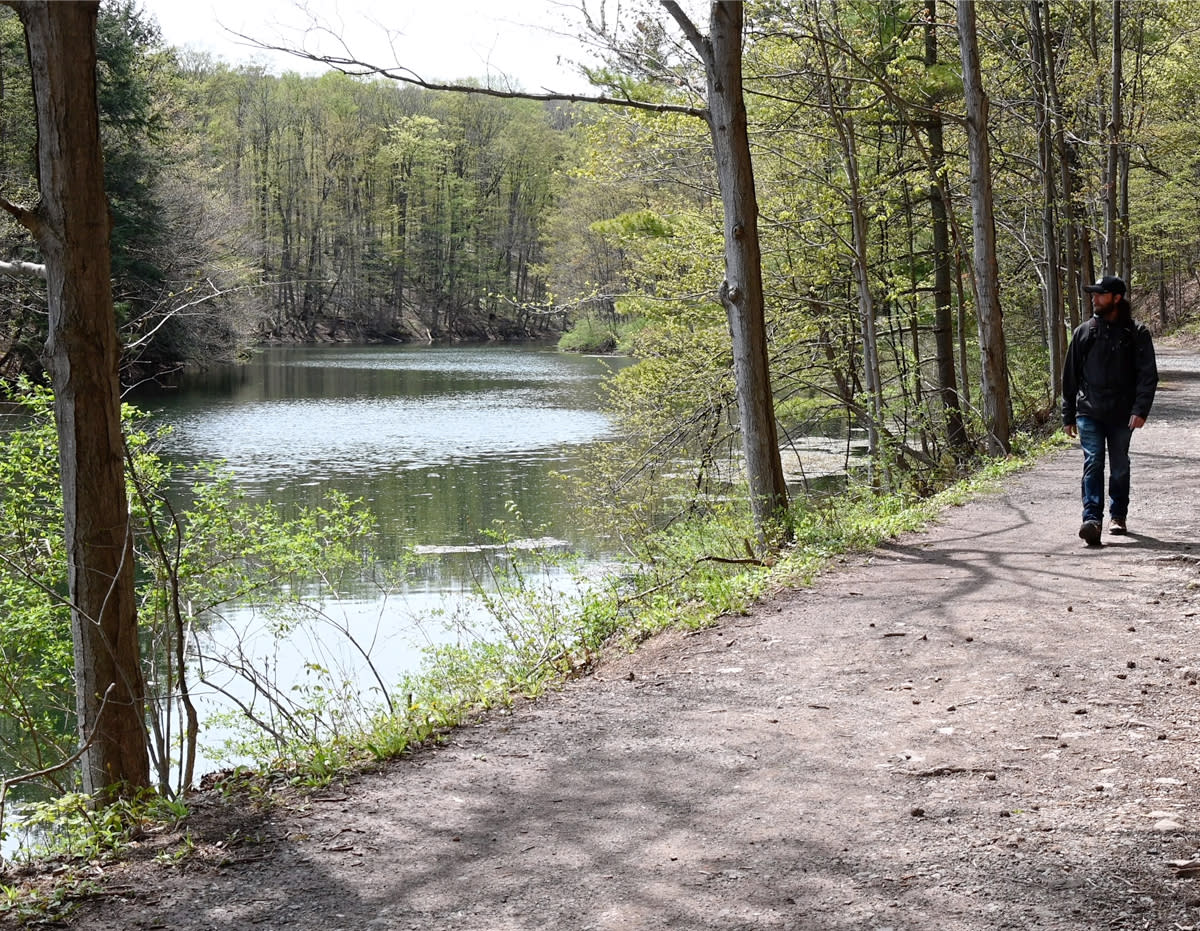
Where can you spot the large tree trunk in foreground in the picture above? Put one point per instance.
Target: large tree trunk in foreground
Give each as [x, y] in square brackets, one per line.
[742, 292]
[1113, 232]
[943, 325]
[992, 350]
[71, 224]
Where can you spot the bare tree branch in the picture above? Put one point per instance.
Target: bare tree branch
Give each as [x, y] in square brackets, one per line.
[355, 68]
[26, 269]
[24, 215]
[699, 43]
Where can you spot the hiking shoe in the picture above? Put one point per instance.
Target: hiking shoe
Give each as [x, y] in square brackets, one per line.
[1117, 526]
[1090, 532]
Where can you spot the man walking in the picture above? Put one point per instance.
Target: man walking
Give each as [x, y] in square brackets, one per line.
[1108, 386]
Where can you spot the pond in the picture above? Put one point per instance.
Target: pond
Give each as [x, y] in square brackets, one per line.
[439, 442]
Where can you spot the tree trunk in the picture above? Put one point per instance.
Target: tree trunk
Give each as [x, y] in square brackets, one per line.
[1112, 225]
[844, 124]
[742, 291]
[943, 322]
[1163, 318]
[71, 224]
[994, 367]
[914, 382]
[1056, 337]
[1071, 275]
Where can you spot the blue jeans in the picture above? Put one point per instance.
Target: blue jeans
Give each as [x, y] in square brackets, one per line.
[1094, 436]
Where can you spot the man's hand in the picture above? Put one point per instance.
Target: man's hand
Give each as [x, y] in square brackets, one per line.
[1070, 429]
[1136, 422]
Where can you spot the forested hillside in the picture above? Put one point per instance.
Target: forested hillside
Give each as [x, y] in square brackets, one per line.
[250, 206]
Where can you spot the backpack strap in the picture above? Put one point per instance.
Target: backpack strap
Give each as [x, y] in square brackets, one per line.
[1089, 341]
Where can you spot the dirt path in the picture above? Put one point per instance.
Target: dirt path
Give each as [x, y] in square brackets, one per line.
[983, 726]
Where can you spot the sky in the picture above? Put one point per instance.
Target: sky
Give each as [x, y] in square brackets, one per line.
[527, 41]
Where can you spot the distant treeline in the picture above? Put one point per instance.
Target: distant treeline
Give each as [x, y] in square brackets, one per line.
[249, 206]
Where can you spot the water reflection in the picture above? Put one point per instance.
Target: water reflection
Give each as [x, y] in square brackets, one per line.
[437, 440]
[441, 443]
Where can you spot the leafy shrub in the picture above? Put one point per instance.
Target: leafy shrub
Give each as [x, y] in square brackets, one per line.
[191, 562]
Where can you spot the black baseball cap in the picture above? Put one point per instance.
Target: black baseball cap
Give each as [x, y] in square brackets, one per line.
[1109, 284]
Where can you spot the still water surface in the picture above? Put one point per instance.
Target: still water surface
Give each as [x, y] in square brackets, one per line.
[439, 442]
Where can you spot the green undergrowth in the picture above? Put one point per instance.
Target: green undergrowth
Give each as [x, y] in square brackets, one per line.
[76, 836]
[590, 335]
[72, 827]
[686, 577]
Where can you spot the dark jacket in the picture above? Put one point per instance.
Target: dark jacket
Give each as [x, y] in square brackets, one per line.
[1110, 371]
